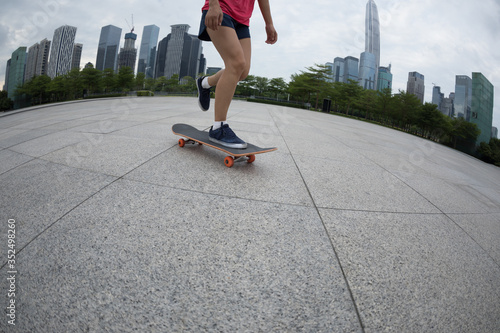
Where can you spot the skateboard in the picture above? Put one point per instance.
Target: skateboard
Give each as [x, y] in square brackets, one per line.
[194, 136]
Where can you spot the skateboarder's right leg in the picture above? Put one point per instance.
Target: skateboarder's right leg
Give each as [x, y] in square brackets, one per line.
[236, 56]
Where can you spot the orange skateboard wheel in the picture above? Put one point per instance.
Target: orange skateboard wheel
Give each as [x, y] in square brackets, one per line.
[229, 161]
[182, 142]
[251, 158]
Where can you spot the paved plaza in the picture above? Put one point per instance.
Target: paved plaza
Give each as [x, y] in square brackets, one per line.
[347, 227]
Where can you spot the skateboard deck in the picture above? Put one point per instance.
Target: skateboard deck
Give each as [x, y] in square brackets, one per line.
[194, 135]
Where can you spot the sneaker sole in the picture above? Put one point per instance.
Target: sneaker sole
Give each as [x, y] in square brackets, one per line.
[229, 145]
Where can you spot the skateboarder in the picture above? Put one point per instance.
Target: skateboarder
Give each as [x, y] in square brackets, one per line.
[226, 24]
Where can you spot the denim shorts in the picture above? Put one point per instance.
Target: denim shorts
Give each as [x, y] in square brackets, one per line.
[242, 31]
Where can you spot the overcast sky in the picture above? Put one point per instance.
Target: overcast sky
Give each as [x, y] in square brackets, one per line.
[439, 39]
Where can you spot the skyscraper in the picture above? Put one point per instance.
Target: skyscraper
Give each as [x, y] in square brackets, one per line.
[367, 71]
[174, 49]
[329, 67]
[384, 80]
[161, 57]
[351, 69]
[338, 69]
[437, 97]
[372, 33]
[107, 51]
[128, 53]
[147, 53]
[31, 59]
[482, 106]
[16, 71]
[463, 97]
[181, 53]
[77, 56]
[61, 53]
[416, 85]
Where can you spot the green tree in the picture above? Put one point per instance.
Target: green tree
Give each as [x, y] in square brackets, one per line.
[91, 79]
[261, 84]
[57, 88]
[385, 104]
[277, 87]
[160, 84]
[40, 87]
[140, 81]
[74, 83]
[188, 84]
[347, 94]
[172, 84]
[5, 102]
[125, 80]
[367, 102]
[247, 87]
[490, 152]
[464, 134]
[109, 80]
[406, 108]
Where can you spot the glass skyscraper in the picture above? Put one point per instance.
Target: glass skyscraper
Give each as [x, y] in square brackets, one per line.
[174, 49]
[147, 52]
[338, 69]
[16, 71]
[351, 69]
[384, 78]
[61, 53]
[463, 97]
[372, 33]
[367, 71]
[482, 106]
[107, 51]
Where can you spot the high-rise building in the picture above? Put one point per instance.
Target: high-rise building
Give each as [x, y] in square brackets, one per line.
[182, 54]
[329, 67]
[77, 56]
[447, 106]
[463, 97]
[161, 57]
[372, 33]
[367, 71]
[16, 71]
[61, 53]
[147, 52]
[128, 53]
[351, 69]
[192, 61]
[384, 80]
[416, 85]
[7, 70]
[494, 132]
[437, 97]
[482, 106]
[338, 69]
[107, 51]
[31, 60]
[174, 49]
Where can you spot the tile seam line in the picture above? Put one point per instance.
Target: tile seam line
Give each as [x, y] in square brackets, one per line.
[447, 215]
[83, 201]
[346, 281]
[61, 217]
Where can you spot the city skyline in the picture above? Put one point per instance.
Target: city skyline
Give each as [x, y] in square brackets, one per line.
[439, 40]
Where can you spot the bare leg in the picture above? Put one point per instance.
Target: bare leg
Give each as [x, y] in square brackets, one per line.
[236, 56]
